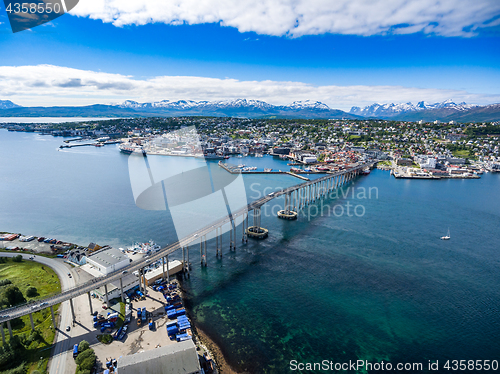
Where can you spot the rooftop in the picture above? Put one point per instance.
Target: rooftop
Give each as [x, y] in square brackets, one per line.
[170, 359]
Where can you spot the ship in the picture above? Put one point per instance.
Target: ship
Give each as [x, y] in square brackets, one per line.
[147, 248]
[365, 171]
[128, 149]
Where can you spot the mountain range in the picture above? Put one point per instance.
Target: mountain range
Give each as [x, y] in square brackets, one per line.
[444, 111]
[225, 108]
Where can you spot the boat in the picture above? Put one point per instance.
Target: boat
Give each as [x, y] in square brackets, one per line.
[267, 170]
[365, 171]
[447, 237]
[128, 149]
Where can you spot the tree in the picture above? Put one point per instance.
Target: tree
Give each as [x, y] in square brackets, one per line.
[17, 258]
[83, 346]
[84, 355]
[31, 292]
[14, 295]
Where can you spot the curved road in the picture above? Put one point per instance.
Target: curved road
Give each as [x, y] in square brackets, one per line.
[57, 363]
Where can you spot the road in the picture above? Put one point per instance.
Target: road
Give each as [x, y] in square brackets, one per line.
[84, 287]
[57, 363]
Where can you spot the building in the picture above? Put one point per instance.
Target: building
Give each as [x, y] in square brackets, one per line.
[113, 288]
[77, 257]
[173, 268]
[108, 260]
[404, 162]
[170, 359]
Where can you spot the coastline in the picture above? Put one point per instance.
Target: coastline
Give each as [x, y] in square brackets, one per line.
[220, 361]
[206, 342]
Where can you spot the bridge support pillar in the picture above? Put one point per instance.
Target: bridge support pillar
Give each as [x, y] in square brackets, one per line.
[107, 297]
[73, 309]
[31, 321]
[256, 231]
[90, 305]
[187, 263]
[205, 250]
[54, 318]
[10, 329]
[287, 213]
[163, 267]
[121, 290]
[183, 260]
[144, 281]
[168, 275]
[201, 250]
[3, 334]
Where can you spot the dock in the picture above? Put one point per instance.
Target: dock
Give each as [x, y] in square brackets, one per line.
[233, 169]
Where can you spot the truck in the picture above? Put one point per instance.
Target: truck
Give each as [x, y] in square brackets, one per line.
[151, 325]
[139, 316]
[144, 314]
[75, 350]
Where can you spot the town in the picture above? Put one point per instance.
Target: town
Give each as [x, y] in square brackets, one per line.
[431, 150]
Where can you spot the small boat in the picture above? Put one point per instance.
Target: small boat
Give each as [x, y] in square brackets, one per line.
[447, 237]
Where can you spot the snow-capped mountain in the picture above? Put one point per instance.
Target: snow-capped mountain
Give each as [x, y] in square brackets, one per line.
[222, 104]
[237, 107]
[7, 104]
[390, 110]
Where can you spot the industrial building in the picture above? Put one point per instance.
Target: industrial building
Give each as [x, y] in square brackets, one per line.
[107, 260]
[170, 359]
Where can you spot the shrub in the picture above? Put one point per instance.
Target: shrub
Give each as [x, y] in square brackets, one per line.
[17, 258]
[84, 355]
[83, 346]
[87, 364]
[31, 292]
[5, 282]
[105, 338]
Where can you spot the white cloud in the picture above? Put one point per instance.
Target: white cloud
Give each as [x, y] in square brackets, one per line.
[54, 85]
[305, 17]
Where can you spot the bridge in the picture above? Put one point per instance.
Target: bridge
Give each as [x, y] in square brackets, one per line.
[296, 198]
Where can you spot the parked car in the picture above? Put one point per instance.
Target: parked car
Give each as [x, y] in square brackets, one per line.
[68, 328]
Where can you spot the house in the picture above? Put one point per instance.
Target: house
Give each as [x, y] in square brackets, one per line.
[77, 257]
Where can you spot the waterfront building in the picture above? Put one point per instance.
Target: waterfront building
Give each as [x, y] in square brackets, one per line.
[107, 260]
[170, 359]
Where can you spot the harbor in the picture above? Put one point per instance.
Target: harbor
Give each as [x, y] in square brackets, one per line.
[367, 256]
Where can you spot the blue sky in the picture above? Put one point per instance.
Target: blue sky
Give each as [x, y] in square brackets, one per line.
[118, 52]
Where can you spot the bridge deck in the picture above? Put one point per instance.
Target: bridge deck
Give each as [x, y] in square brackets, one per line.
[14, 312]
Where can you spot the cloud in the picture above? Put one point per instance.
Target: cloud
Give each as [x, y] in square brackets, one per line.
[68, 86]
[305, 17]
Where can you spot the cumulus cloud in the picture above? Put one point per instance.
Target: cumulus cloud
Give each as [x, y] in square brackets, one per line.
[68, 86]
[305, 17]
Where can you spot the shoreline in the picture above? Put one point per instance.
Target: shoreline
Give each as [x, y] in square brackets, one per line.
[220, 361]
[206, 342]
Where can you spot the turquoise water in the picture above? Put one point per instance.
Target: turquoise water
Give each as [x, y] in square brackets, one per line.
[380, 286]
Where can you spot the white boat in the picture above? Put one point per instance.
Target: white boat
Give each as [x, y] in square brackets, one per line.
[447, 237]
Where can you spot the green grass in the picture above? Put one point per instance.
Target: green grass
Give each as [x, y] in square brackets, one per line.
[461, 153]
[23, 275]
[30, 273]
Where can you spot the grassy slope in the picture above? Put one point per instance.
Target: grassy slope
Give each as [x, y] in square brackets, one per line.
[24, 275]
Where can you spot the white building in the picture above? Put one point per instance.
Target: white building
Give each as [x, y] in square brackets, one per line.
[429, 163]
[107, 260]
